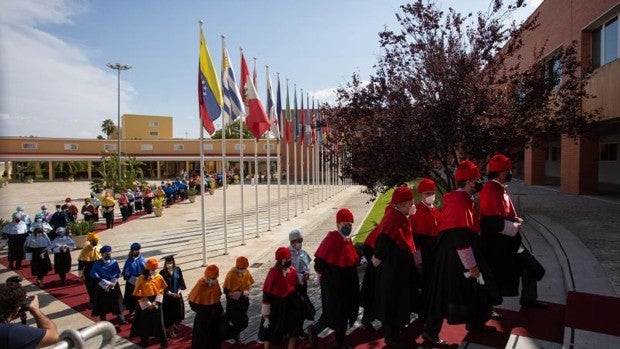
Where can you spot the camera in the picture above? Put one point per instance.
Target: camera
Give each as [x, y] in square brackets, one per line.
[23, 308]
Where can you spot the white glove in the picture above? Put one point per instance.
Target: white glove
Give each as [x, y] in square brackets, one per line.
[266, 322]
[375, 261]
[246, 293]
[363, 260]
[235, 295]
[510, 228]
[479, 279]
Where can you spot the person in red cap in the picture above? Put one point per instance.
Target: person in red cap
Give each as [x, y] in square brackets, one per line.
[500, 227]
[204, 299]
[281, 308]
[149, 291]
[237, 290]
[396, 293]
[456, 290]
[424, 223]
[71, 210]
[336, 263]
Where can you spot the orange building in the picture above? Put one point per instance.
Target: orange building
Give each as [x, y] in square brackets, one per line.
[588, 165]
[146, 127]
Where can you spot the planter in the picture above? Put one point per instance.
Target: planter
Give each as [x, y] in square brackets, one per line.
[211, 191]
[80, 241]
[71, 179]
[30, 180]
[192, 198]
[158, 211]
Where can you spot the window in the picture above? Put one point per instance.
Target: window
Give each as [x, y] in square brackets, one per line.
[30, 146]
[554, 153]
[71, 146]
[179, 147]
[146, 147]
[207, 146]
[605, 43]
[240, 147]
[109, 147]
[153, 123]
[609, 152]
[552, 72]
[153, 133]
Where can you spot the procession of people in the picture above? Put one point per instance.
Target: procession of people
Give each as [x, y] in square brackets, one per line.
[422, 263]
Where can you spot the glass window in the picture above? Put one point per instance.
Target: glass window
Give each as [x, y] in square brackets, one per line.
[611, 41]
[146, 147]
[153, 133]
[596, 48]
[179, 147]
[153, 123]
[30, 146]
[609, 152]
[71, 146]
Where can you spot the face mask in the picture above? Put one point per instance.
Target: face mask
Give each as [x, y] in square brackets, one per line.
[240, 271]
[94, 243]
[478, 187]
[151, 273]
[211, 282]
[38, 219]
[107, 258]
[429, 200]
[412, 210]
[135, 253]
[286, 264]
[297, 245]
[58, 210]
[508, 176]
[345, 230]
[169, 265]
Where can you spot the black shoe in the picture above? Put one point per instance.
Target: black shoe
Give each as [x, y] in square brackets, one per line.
[434, 341]
[480, 328]
[534, 303]
[496, 316]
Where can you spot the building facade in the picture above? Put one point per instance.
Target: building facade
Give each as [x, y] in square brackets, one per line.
[588, 164]
[146, 127]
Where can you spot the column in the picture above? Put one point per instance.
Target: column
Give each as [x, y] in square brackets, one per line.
[50, 170]
[534, 165]
[579, 165]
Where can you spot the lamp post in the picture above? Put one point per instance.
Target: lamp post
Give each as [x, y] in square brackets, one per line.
[118, 67]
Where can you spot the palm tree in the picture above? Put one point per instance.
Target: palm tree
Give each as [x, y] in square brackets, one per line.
[108, 127]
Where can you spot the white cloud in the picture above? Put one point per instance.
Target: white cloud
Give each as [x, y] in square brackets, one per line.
[49, 87]
[327, 95]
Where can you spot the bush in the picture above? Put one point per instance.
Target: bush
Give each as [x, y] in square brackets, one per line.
[81, 227]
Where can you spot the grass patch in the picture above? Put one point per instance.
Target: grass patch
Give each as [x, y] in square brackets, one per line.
[378, 209]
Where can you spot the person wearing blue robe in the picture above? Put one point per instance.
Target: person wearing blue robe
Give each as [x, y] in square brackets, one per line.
[134, 265]
[108, 299]
[181, 189]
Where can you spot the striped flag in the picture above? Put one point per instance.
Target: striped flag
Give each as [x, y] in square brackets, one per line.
[279, 107]
[295, 117]
[209, 92]
[287, 124]
[233, 105]
[271, 109]
[300, 126]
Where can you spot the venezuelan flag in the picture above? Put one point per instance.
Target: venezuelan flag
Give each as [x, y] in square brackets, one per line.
[209, 91]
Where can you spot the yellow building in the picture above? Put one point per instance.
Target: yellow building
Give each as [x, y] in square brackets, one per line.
[146, 127]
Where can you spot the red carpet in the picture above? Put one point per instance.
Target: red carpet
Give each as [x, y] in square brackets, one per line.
[592, 312]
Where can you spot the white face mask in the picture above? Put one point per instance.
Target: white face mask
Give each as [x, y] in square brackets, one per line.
[211, 282]
[412, 210]
[429, 200]
[297, 245]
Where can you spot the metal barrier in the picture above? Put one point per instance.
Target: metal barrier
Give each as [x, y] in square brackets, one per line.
[71, 338]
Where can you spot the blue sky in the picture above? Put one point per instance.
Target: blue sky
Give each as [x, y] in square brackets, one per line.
[54, 81]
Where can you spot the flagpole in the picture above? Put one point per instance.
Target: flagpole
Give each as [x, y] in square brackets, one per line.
[268, 160]
[242, 172]
[295, 154]
[256, 181]
[288, 167]
[224, 164]
[301, 143]
[202, 191]
[279, 118]
[307, 141]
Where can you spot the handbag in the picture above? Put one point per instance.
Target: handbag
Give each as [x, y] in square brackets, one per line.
[531, 264]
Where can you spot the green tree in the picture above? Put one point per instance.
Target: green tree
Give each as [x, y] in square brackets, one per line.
[131, 171]
[450, 87]
[108, 127]
[232, 132]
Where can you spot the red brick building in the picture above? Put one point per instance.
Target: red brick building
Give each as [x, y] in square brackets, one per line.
[588, 165]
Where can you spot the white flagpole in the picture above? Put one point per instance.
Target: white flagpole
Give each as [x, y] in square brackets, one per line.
[268, 158]
[242, 172]
[279, 179]
[288, 183]
[295, 156]
[300, 134]
[256, 181]
[224, 167]
[202, 191]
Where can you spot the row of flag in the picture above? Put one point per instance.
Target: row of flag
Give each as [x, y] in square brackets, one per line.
[230, 102]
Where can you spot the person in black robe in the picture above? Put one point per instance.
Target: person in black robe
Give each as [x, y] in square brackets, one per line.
[204, 299]
[367, 290]
[462, 288]
[501, 238]
[108, 298]
[62, 247]
[173, 305]
[282, 306]
[396, 288]
[38, 245]
[336, 263]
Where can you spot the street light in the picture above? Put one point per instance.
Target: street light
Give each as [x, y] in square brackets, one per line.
[118, 67]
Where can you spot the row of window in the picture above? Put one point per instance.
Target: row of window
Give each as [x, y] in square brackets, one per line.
[607, 152]
[112, 147]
